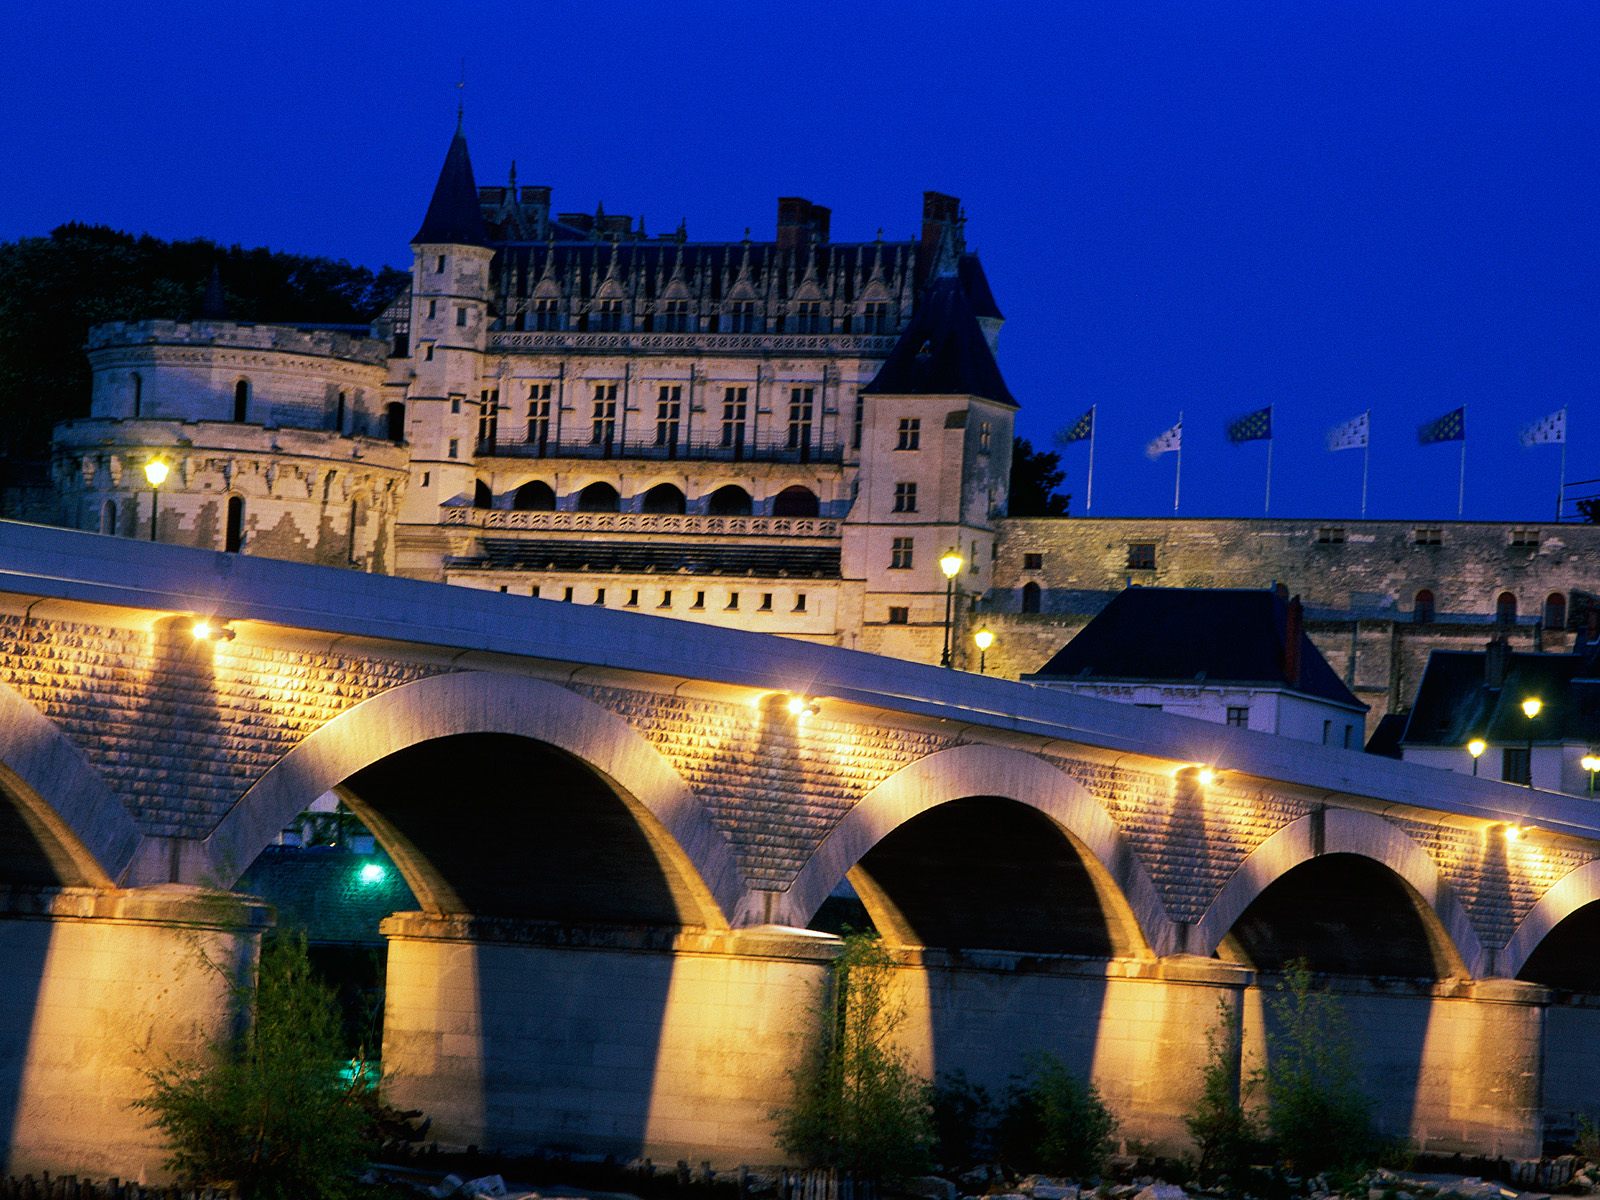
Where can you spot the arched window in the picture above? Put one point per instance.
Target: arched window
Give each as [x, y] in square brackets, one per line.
[108, 517]
[1555, 611]
[795, 502]
[395, 421]
[241, 400]
[729, 501]
[338, 414]
[534, 496]
[664, 498]
[599, 497]
[1505, 609]
[1422, 607]
[234, 537]
[138, 394]
[482, 497]
[1030, 597]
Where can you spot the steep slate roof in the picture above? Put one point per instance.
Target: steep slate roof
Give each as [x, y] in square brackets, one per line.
[943, 352]
[1456, 703]
[453, 216]
[1189, 635]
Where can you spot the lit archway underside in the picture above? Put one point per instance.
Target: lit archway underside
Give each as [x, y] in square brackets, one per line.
[1542, 948]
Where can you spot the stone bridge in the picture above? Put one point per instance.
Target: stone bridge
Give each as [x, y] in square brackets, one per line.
[618, 831]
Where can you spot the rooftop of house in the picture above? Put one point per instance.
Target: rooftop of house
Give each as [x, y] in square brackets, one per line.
[1466, 694]
[1211, 636]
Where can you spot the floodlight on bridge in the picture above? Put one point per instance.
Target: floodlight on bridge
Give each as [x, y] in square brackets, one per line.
[803, 707]
[212, 631]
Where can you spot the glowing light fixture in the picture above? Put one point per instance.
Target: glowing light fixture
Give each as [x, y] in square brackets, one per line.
[212, 631]
[1590, 762]
[155, 474]
[1476, 747]
[1206, 776]
[983, 639]
[803, 707]
[1514, 833]
[1531, 707]
[950, 562]
[373, 872]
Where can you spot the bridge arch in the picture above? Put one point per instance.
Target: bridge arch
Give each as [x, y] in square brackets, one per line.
[1121, 883]
[79, 825]
[670, 817]
[1362, 835]
[1575, 890]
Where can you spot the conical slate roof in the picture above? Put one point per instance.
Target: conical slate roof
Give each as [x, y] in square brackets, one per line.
[943, 351]
[453, 216]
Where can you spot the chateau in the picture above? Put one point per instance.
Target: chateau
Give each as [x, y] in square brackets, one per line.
[784, 436]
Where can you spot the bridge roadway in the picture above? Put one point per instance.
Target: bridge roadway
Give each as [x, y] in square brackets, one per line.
[618, 834]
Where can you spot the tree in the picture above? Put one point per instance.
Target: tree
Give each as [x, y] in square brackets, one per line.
[1035, 476]
[272, 1111]
[1220, 1124]
[858, 1106]
[1056, 1123]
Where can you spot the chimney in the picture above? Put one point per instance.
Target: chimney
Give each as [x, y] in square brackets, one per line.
[1496, 659]
[798, 219]
[1294, 630]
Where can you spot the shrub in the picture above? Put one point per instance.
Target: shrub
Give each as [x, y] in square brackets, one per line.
[1220, 1124]
[1316, 1111]
[272, 1111]
[1056, 1123]
[964, 1120]
[858, 1106]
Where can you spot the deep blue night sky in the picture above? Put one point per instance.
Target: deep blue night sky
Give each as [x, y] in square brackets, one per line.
[1209, 207]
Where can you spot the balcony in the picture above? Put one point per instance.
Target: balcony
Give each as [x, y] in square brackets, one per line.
[649, 450]
[846, 345]
[697, 524]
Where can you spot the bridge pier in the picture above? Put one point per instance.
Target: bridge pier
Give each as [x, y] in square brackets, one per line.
[100, 986]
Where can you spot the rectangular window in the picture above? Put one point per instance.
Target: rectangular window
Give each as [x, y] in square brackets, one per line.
[875, 316]
[539, 413]
[1515, 766]
[438, 265]
[547, 314]
[807, 317]
[735, 411]
[910, 433]
[1327, 732]
[905, 497]
[741, 317]
[669, 409]
[427, 352]
[900, 554]
[426, 477]
[766, 601]
[603, 428]
[461, 317]
[699, 600]
[455, 403]
[566, 595]
[454, 449]
[800, 602]
[633, 598]
[534, 591]
[860, 419]
[1033, 562]
[1429, 535]
[1239, 716]
[984, 436]
[733, 601]
[673, 317]
[606, 316]
[801, 407]
[488, 416]
[666, 599]
[1330, 535]
[433, 308]
[1526, 538]
[1141, 556]
[899, 615]
[1349, 735]
[599, 595]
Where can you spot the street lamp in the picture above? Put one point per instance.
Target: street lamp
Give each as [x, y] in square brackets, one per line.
[950, 562]
[1530, 709]
[1590, 762]
[155, 472]
[1476, 747]
[984, 638]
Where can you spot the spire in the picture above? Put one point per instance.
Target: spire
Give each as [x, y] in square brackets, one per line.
[453, 216]
[943, 350]
[214, 305]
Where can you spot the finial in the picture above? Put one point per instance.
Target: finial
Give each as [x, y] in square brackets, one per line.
[513, 184]
[461, 97]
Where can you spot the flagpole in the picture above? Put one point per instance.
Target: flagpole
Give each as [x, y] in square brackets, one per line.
[1561, 488]
[1366, 461]
[1177, 475]
[1461, 489]
[1266, 509]
[1094, 420]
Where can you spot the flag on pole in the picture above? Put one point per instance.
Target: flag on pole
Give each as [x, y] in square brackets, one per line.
[1168, 442]
[1252, 427]
[1354, 434]
[1079, 431]
[1551, 431]
[1452, 427]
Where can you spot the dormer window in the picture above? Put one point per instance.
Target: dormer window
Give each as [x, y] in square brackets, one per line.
[807, 317]
[606, 316]
[547, 313]
[875, 316]
[673, 317]
[741, 317]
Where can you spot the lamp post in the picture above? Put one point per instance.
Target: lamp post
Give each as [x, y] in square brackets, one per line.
[155, 472]
[1590, 762]
[1476, 747]
[950, 562]
[984, 638]
[1530, 709]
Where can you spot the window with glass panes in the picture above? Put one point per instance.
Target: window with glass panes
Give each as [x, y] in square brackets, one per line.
[669, 408]
[547, 313]
[604, 428]
[741, 317]
[801, 407]
[539, 412]
[735, 411]
[488, 416]
[900, 551]
[905, 497]
[807, 317]
[606, 316]
[875, 316]
[673, 317]
[910, 433]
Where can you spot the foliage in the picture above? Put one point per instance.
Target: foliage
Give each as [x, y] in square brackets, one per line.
[269, 1111]
[1587, 1146]
[1220, 1124]
[964, 1121]
[858, 1106]
[1317, 1114]
[1056, 1123]
[52, 289]
[1035, 476]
